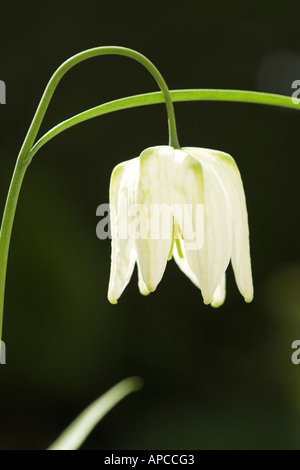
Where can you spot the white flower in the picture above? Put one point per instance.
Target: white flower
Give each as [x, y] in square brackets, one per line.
[177, 178]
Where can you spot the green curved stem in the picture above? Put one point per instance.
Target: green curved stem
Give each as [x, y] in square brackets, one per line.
[147, 99]
[90, 53]
[23, 161]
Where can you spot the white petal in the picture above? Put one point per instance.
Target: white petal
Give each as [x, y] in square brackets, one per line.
[187, 189]
[154, 188]
[233, 184]
[141, 283]
[183, 264]
[209, 263]
[220, 293]
[123, 255]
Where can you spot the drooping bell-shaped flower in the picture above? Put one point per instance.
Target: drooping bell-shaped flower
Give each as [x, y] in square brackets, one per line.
[186, 203]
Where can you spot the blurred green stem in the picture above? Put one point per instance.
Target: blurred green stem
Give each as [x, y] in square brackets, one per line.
[75, 434]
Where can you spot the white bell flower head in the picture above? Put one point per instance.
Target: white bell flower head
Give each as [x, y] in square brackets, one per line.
[186, 203]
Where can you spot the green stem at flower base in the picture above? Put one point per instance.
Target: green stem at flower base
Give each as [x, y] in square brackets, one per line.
[28, 150]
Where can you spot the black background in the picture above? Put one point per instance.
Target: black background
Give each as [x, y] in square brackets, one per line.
[213, 378]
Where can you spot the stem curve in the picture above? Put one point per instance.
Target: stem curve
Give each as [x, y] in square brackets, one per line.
[23, 162]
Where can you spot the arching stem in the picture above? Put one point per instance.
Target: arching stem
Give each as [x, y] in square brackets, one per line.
[23, 160]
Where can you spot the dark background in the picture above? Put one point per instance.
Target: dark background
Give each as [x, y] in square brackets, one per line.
[213, 378]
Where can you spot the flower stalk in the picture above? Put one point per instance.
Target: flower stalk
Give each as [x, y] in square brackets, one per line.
[147, 99]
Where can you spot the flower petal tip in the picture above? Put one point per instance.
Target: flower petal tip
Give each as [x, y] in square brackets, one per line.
[249, 299]
[150, 289]
[216, 304]
[142, 286]
[112, 301]
[145, 292]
